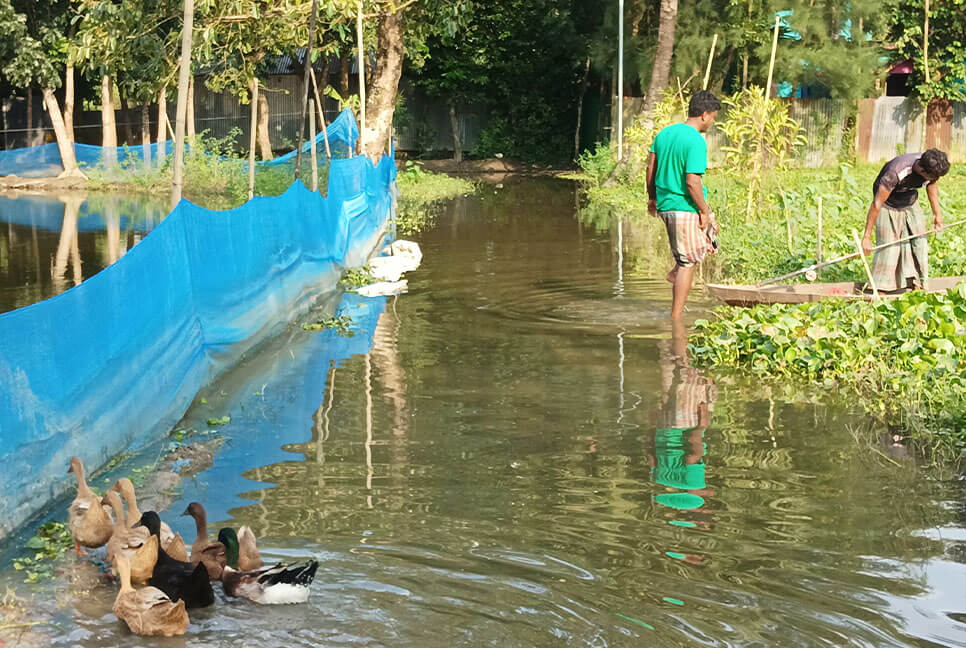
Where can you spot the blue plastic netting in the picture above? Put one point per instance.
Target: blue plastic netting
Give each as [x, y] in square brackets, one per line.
[116, 360]
[44, 161]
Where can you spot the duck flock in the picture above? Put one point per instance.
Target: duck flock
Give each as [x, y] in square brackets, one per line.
[143, 550]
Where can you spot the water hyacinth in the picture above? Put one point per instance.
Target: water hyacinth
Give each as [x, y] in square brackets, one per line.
[903, 356]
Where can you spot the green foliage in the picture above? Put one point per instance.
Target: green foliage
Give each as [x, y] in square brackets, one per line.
[947, 46]
[50, 542]
[220, 420]
[902, 356]
[420, 194]
[761, 137]
[598, 164]
[342, 325]
[496, 138]
[356, 278]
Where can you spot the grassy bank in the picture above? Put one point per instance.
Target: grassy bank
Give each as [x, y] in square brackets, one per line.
[215, 180]
[900, 359]
[421, 193]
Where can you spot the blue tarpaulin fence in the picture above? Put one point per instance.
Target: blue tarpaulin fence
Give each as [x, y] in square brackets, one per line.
[115, 361]
[44, 160]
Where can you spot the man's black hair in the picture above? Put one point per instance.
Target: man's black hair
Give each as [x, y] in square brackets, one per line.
[703, 101]
[934, 162]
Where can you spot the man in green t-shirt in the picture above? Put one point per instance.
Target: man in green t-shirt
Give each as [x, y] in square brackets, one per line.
[678, 160]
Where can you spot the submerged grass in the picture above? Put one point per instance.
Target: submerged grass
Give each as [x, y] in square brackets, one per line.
[421, 193]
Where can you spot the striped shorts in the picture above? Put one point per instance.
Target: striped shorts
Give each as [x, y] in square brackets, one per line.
[689, 243]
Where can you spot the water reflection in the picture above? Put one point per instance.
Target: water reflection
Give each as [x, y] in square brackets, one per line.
[512, 454]
[48, 245]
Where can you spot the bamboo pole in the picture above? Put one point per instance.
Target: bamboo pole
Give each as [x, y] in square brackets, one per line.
[865, 263]
[251, 140]
[315, 168]
[362, 80]
[925, 39]
[620, 80]
[846, 257]
[818, 250]
[305, 88]
[771, 63]
[318, 106]
[707, 71]
[177, 179]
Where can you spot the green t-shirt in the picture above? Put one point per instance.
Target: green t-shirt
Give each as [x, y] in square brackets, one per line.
[680, 149]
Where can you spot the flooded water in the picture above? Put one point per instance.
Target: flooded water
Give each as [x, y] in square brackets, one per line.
[49, 244]
[517, 453]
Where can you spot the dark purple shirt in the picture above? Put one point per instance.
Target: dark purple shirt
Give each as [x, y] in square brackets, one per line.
[898, 177]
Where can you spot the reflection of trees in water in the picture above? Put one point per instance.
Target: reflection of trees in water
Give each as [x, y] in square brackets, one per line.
[68, 246]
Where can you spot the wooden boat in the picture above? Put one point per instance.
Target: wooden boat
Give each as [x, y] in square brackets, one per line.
[750, 295]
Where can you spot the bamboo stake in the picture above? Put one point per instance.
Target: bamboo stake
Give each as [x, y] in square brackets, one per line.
[620, 80]
[771, 64]
[177, 175]
[846, 257]
[305, 88]
[318, 105]
[251, 140]
[362, 80]
[865, 264]
[707, 71]
[925, 39]
[818, 251]
[315, 168]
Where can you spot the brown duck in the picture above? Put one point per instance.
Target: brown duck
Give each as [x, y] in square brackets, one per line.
[171, 542]
[203, 550]
[90, 523]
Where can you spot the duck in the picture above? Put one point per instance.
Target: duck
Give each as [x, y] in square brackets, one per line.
[178, 579]
[203, 550]
[147, 611]
[137, 545]
[171, 542]
[248, 557]
[89, 522]
[280, 583]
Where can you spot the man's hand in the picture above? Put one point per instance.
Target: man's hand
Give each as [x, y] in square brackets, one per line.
[652, 207]
[704, 218]
[937, 222]
[867, 245]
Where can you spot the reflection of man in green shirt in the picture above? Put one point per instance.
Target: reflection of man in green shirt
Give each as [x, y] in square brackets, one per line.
[688, 399]
[678, 160]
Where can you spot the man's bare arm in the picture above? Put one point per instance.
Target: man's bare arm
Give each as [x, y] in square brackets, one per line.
[932, 190]
[697, 195]
[651, 188]
[881, 197]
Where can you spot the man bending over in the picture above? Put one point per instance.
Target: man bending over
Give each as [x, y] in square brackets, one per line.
[678, 160]
[895, 214]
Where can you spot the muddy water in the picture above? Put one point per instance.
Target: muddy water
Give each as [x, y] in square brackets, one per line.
[517, 453]
[49, 244]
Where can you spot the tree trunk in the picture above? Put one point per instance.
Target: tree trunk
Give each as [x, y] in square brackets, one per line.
[69, 100]
[108, 123]
[190, 118]
[146, 134]
[264, 141]
[385, 84]
[455, 125]
[345, 68]
[30, 117]
[181, 109]
[64, 144]
[662, 58]
[580, 106]
[128, 125]
[162, 126]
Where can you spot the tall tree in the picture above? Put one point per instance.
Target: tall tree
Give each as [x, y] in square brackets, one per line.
[32, 52]
[662, 57]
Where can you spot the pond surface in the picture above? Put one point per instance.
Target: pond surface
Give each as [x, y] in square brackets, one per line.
[48, 244]
[516, 453]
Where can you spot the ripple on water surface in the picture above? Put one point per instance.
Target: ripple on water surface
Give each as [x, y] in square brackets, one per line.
[517, 455]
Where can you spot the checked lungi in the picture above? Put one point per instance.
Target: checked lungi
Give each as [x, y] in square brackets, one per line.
[689, 243]
[899, 266]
